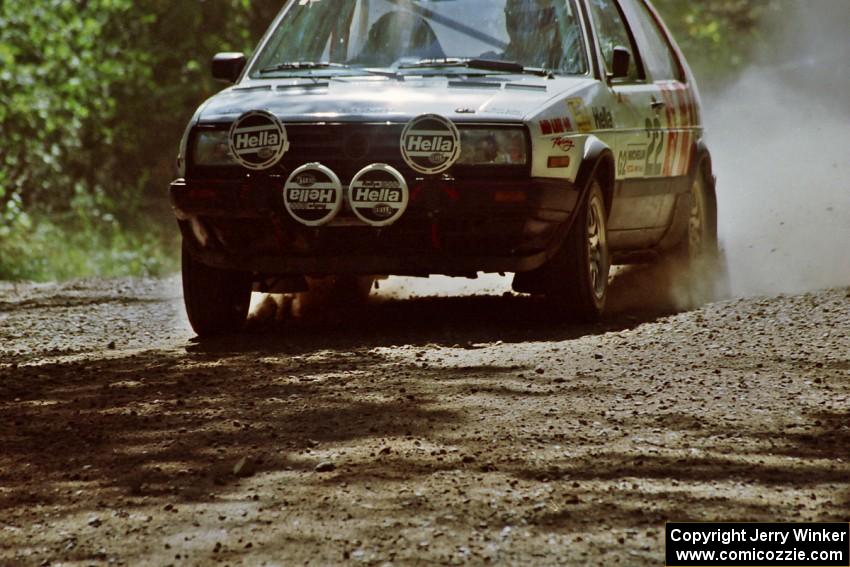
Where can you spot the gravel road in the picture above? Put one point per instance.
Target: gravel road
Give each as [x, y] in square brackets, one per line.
[451, 430]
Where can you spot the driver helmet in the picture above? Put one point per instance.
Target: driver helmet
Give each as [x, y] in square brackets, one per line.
[532, 29]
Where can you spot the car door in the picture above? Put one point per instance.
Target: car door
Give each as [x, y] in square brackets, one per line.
[674, 103]
[637, 217]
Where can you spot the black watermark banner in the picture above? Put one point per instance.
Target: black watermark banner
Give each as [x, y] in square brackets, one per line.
[758, 545]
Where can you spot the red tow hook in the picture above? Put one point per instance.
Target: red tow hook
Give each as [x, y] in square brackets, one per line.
[430, 191]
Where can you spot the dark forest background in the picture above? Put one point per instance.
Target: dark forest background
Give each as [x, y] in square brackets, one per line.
[94, 95]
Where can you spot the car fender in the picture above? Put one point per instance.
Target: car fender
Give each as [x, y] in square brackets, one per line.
[701, 155]
[597, 162]
[701, 160]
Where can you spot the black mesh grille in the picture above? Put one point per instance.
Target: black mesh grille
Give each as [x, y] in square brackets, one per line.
[346, 148]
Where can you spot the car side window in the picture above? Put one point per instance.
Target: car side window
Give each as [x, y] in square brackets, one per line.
[658, 56]
[612, 32]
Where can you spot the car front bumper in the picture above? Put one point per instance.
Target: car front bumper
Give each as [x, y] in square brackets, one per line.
[452, 227]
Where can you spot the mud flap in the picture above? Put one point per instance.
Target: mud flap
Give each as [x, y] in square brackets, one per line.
[534, 281]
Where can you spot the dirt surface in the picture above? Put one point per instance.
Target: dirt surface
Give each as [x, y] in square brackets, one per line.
[443, 430]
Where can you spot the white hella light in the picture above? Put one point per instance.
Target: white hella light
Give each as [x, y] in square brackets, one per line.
[505, 146]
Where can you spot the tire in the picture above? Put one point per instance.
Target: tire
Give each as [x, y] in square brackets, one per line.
[698, 263]
[700, 244]
[576, 278]
[216, 300]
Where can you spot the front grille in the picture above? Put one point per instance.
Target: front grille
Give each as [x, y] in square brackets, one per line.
[346, 149]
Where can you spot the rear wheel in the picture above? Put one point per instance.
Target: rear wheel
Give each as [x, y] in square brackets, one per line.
[699, 265]
[577, 276]
[216, 300]
[701, 243]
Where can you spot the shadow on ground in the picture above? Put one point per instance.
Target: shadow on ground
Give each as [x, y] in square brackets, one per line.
[637, 296]
[488, 441]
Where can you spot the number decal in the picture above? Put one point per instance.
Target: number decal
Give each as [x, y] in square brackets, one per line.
[659, 151]
[656, 148]
[650, 151]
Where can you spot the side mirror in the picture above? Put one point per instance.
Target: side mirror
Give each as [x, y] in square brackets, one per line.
[620, 65]
[228, 66]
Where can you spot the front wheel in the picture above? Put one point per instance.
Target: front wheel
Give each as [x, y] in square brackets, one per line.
[577, 276]
[216, 300]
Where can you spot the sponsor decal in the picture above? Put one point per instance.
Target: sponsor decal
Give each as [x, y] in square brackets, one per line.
[505, 111]
[430, 144]
[258, 140]
[556, 125]
[365, 109]
[563, 143]
[378, 195]
[313, 195]
[681, 117]
[632, 162]
[603, 118]
[580, 114]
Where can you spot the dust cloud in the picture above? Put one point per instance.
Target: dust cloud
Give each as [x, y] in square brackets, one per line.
[443, 286]
[780, 138]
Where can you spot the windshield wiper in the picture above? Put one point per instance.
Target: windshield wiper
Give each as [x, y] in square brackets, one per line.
[302, 66]
[480, 64]
[314, 66]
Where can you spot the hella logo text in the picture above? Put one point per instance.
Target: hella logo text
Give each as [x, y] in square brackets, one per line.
[306, 180]
[377, 193]
[312, 195]
[429, 144]
[254, 140]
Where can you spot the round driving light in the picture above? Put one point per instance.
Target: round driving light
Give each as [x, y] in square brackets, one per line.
[430, 144]
[258, 140]
[378, 195]
[313, 194]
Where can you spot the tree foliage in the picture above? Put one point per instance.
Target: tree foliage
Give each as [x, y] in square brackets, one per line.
[717, 36]
[93, 98]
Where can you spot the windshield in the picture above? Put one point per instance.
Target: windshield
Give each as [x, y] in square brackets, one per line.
[333, 37]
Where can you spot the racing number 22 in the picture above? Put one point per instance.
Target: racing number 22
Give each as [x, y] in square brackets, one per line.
[656, 147]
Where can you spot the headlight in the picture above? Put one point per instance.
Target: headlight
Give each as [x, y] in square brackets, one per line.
[211, 147]
[493, 147]
[478, 147]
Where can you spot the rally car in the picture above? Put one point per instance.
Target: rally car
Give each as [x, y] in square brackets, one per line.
[545, 138]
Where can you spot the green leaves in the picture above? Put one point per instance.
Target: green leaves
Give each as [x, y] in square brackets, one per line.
[94, 97]
[717, 36]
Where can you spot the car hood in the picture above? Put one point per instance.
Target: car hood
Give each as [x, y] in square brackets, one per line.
[488, 99]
